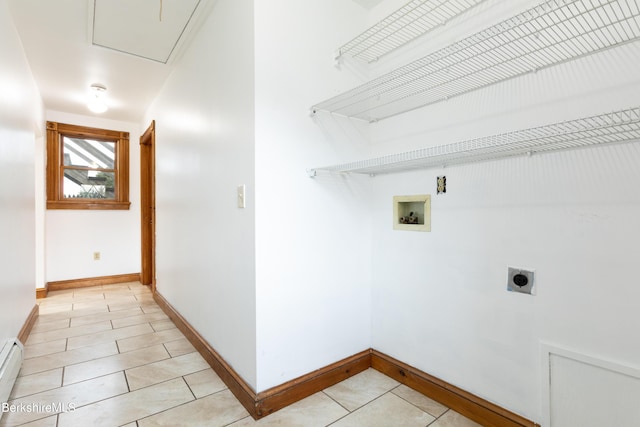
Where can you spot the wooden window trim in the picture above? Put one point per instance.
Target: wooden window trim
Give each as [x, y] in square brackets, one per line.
[55, 171]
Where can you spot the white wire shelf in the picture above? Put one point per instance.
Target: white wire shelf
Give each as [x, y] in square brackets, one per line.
[411, 21]
[616, 127]
[554, 32]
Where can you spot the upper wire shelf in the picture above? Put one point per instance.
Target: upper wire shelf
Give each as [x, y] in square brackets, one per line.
[551, 33]
[619, 126]
[411, 21]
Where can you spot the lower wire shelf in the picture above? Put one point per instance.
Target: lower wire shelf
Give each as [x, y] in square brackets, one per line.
[615, 127]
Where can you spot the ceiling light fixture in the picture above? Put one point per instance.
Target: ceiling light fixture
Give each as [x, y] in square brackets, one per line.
[97, 102]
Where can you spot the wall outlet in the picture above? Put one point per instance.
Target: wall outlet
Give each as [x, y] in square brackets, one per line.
[96, 256]
[441, 184]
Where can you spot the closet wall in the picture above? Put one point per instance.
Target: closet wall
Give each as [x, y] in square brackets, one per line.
[313, 244]
[439, 299]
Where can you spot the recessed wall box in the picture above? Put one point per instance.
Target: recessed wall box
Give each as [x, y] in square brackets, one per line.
[520, 281]
[412, 213]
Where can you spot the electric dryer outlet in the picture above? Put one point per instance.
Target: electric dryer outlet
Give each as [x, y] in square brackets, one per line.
[520, 280]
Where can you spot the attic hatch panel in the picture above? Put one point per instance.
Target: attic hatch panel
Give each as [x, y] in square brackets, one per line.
[149, 29]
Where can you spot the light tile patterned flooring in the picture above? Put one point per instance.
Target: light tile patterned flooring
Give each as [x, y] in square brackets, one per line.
[109, 356]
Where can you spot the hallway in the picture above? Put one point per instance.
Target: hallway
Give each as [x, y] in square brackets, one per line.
[109, 356]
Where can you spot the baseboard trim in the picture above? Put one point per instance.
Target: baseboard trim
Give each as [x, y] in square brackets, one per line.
[240, 389]
[265, 403]
[297, 389]
[269, 401]
[41, 293]
[467, 404]
[28, 324]
[92, 281]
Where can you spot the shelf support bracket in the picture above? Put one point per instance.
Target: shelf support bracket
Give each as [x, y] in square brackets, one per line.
[337, 58]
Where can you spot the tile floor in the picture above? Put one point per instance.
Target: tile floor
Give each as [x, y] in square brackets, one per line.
[109, 356]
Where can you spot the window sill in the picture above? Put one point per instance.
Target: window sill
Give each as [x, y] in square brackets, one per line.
[88, 205]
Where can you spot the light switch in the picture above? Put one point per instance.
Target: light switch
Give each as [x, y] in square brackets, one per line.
[241, 191]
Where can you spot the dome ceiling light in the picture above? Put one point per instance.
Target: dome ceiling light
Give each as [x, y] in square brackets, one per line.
[97, 103]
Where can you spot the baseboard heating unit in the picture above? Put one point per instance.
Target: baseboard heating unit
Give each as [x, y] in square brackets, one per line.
[11, 357]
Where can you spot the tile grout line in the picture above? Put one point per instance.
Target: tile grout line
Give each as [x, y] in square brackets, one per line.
[379, 397]
[121, 394]
[105, 356]
[124, 338]
[359, 407]
[241, 419]
[416, 406]
[77, 407]
[41, 391]
[34, 330]
[434, 421]
[126, 379]
[187, 383]
[114, 372]
[181, 404]
[140, 313]
[77, 336]
[339, 404]
[64, 368]
[97, 401]
[196, 399]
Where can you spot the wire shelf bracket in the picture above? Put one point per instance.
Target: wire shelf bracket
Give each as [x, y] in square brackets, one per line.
[551, 33]
[411, 21]
[615, 127]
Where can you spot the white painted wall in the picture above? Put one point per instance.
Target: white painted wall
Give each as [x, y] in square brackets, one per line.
[20, 114]
[72, 236]
[439, 299]
[40, 159]
[313, 238]
[311, 271]
[205, 149]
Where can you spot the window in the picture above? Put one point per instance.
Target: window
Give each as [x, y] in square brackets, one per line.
[87, 168]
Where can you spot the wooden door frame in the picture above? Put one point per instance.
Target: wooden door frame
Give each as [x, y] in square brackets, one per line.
[148, 206]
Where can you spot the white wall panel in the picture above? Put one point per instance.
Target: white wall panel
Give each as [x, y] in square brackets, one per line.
[72, 236]
[313, 236]
[205, 149]
[20, 112]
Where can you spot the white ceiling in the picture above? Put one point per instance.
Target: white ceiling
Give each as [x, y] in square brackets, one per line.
[58, 38]
[69, 48]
